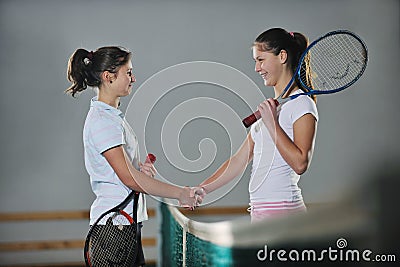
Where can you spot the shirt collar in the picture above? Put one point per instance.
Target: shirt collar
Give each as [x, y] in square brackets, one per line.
[297, 91]
[103, 106]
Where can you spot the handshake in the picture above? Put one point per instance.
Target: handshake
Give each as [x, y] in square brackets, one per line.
[191, 197]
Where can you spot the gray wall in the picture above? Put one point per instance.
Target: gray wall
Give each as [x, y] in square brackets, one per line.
[41, 134]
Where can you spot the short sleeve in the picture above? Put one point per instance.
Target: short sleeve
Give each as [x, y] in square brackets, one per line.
[304, 105]
[106, 133]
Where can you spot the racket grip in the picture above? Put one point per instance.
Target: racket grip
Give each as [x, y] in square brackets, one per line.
[248, 121]
[150, 158]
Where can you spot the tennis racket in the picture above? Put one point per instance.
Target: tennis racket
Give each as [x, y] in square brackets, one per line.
[112, 240]
[337, 60]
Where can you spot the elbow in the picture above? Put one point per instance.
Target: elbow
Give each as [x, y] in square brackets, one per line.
[300, 171]
[131, 183]
[302, 163]
[301, 167]
[129, 180]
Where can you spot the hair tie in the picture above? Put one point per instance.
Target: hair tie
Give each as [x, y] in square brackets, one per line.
[88, 59]
[292, 34]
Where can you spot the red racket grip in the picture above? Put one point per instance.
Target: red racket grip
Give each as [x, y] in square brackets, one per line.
[150, 158]
[248, 121]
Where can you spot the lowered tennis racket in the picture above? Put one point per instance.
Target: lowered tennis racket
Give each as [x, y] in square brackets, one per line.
[336, 59]
[112, 240]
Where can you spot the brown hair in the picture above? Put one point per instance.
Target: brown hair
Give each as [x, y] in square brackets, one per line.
[276, 39]
[85, 68]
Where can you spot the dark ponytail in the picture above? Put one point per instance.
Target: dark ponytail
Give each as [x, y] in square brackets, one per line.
[85, 68]
[276, 39]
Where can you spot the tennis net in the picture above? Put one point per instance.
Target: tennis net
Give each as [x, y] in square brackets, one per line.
[186, 242]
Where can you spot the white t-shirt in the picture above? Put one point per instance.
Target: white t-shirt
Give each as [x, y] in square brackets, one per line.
[105, 128]
[272, 179]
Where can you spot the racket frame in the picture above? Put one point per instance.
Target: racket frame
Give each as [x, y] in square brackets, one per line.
[117, 209]
[319, 92]
[248, 121]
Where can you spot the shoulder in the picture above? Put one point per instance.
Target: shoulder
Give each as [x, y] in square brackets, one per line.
[300, 106]
[100, 120]
[305, 102]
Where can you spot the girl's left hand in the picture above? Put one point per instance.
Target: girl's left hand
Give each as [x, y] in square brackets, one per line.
[269, 114]
[148, 169]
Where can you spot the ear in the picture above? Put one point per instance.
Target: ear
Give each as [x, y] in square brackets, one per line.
[283, 56]
[107, 77]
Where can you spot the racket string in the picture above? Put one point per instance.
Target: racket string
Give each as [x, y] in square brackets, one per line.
[347, 71]
[113, 243]
[335, 62]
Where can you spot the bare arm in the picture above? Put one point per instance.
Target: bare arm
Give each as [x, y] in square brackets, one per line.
[296, 153]
[140, 182]
[230, 168]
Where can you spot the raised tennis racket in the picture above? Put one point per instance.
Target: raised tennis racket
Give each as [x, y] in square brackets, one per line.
[112, 240]
[336, 59]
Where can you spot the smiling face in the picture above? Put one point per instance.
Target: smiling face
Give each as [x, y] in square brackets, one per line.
[116, 84]
[268, 65]
[123, 80]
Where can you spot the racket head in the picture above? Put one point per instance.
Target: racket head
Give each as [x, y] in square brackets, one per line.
[112, 240]
[336, 61]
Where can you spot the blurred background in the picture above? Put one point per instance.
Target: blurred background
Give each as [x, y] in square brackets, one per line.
[42, 167]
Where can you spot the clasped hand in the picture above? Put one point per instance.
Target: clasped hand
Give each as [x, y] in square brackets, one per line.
[191, 197]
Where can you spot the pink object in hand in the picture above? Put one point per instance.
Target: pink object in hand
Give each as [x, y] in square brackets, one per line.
[150, 158]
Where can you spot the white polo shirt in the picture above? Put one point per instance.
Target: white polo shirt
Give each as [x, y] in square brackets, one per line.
[272, 179]
[105, 128]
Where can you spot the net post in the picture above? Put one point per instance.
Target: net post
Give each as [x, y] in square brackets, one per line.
[184, 231]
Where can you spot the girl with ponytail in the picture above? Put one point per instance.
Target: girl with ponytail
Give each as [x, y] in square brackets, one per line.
[110, 145]
[280, 145]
